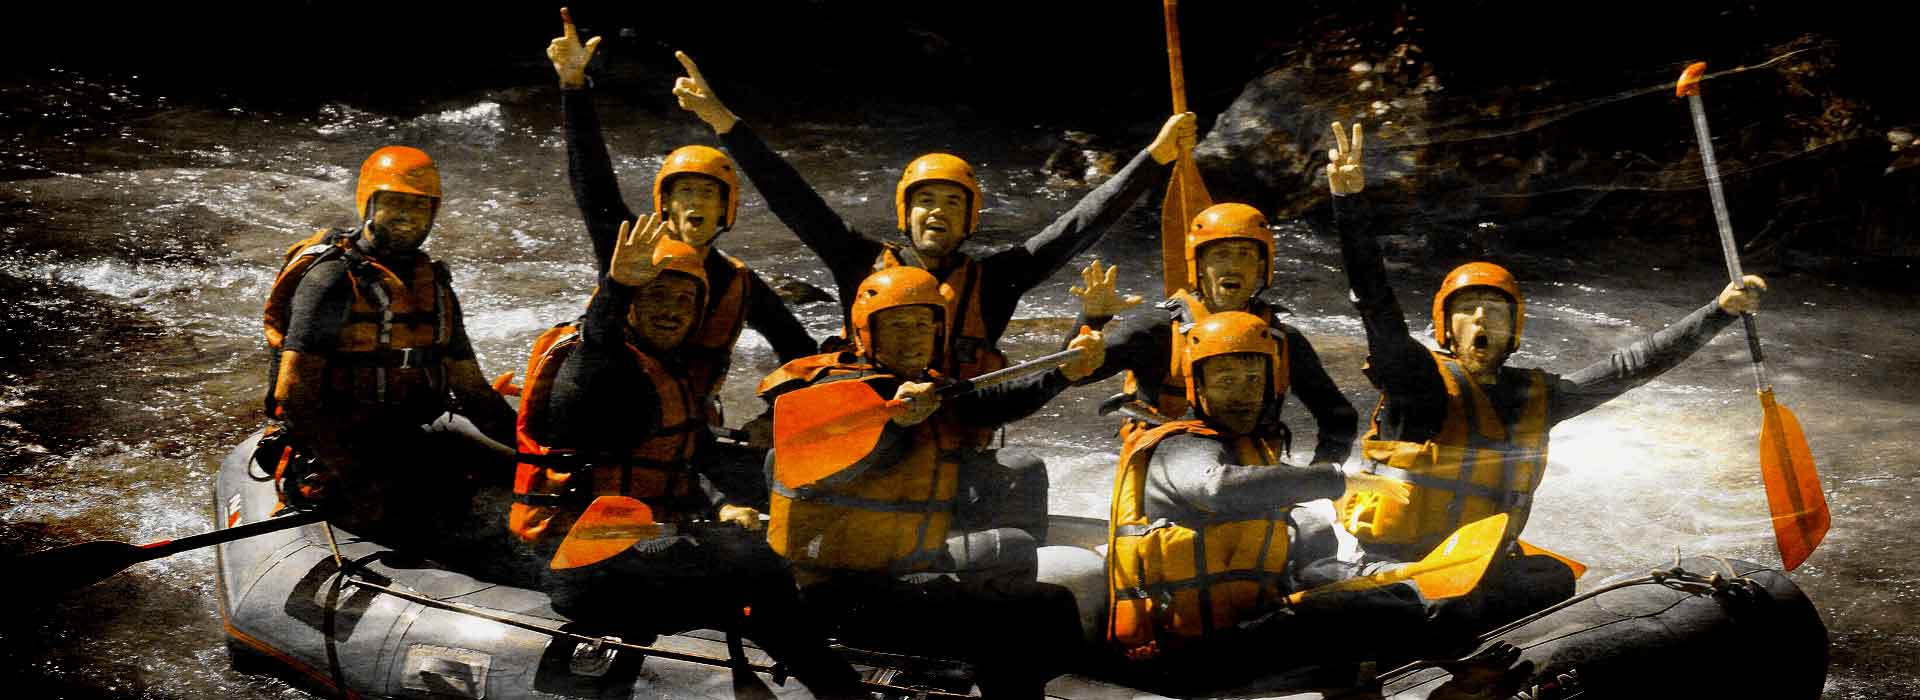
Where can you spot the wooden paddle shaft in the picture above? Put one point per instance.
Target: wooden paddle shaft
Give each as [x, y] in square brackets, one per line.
[1725, 223]
[1175, 71]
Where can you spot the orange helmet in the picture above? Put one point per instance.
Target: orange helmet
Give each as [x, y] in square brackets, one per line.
[1229, 333]
[890, 288]
[938, 167]
[697, 160]
[396, 169]
[1223, 221]
[1478, 274]
[674, 256]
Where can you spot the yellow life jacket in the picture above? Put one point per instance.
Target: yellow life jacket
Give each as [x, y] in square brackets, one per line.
[893, 518]
[397, 330]
[554, 484]
[969, 352]
[1172, 583]
[1477, 465]
[708, 350]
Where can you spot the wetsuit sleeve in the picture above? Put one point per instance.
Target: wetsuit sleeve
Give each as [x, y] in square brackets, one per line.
[1140, 344]
[769, 316]
[1399, 366]
[1633, 365]
[601, 399]
[1007, 402]
[848, 255]
[590, 170]
[319, 309]
[1331, 410]
[1197, 475]
[1011, 273]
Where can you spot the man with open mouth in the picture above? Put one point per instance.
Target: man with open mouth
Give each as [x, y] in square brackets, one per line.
[1464, 429]
[937, 204]
[697, 193]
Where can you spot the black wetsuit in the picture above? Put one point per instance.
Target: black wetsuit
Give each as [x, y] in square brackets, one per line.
[417, 450]
[700, 575]
[1415, 402]
[1142, 344]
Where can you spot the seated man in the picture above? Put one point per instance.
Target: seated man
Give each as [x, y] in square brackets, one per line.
[1468, 431]
[870, 541]
[371, 361]
[608, 411]
[1203, 551]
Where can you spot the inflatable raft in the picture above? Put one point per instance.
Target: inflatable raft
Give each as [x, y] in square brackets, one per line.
[376, 622]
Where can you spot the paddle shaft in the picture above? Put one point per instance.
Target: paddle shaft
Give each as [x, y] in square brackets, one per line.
[164, 548]
[1725, 223]
[999, 376]
[1176, 71]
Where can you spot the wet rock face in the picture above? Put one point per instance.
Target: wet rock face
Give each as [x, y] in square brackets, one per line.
[1553, 137]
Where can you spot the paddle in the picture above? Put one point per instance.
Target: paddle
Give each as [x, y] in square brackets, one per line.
[1132, 407]
[1451, 570]
[822, 429]
[1533, 550]
[74, 566]
[609, 526]
[1186, 194]
[1799, 508]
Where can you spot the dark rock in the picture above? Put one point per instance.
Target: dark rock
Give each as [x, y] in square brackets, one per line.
[1083, 160]
[796, 292]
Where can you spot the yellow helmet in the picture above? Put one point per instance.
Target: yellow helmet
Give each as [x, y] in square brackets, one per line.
[938, 167]
[1478, 274]
[1227, 221]
[1229, 333]
[697, 160]
[890, 288]
[396, 169]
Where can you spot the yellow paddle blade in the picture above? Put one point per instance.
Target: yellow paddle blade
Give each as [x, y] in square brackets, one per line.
[1186, 196]
[1451, 570]
[822, 429]
[1534, 550]
[1800, 516]
[608, 527]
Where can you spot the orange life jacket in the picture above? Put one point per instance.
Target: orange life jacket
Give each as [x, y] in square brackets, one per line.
[708, 350]
[892, 519]
[392, 346]
[1477, 465]
[968, 352]
[1172, 583]
[554, 483]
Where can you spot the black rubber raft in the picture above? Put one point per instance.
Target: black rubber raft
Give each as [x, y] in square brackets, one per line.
[380, 623]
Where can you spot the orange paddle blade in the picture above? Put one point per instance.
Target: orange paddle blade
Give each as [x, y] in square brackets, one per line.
[1186, 197]
[608, 527]
[1800, 516]
[1451, 570]
[1534, 550]
[820, 430]
[504, 385]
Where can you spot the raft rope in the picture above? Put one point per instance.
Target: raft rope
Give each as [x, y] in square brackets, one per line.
[1674, 577]
[777, 671]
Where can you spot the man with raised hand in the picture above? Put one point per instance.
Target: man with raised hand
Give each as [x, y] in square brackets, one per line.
[937, 204]
[1465, 429]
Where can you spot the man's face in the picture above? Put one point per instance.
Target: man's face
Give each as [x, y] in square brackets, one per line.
[663, 312]
[1230, 273]
[904, 338]
[1233, 389]
[937, 217]
[695, 206]
[400, 221]
[1480, 328]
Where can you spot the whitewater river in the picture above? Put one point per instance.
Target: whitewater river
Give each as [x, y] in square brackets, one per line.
[139, 234]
